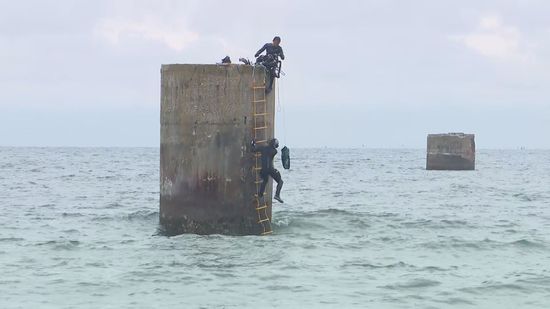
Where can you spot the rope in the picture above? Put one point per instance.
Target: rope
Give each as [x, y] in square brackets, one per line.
[280, 109]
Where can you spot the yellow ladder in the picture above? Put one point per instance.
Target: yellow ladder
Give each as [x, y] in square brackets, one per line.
[259, 109]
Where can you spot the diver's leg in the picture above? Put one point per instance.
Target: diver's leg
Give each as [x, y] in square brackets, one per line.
[265, 179]
[277, 177]
[270, 76]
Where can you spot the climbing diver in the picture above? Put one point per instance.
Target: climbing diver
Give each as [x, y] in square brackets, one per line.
[271, 59]
[267, 154]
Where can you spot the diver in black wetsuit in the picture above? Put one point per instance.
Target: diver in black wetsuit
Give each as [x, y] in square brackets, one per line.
[268, 153]
[271, 59]
[272, 49]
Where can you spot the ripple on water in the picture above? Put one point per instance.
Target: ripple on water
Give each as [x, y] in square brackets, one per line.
[419, 283]
[491, 287]
[60, 244]
[11, 239]
[529, 244]
[379, 266]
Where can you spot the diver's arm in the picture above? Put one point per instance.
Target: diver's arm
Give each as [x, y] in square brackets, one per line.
[261, 50]
[282, 55]
[256, 148]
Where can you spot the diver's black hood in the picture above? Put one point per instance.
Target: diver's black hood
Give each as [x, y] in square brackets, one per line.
[274, 143]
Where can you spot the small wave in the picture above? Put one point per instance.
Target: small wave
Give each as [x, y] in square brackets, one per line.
[359, 223]
[143, 215]
[492, 287]
[384, 215]
[525, 197]
[71, 231]
[114, 205]
[106, 177]
[413, 284]
[379, 266]
[436, 269]
[88, 284]
[9, 239]
[437, 224]
[527, 244]
[279, 287]
[127, 241]
[417, 223]
[461, 244]
[103, 218]
[456, 301]
[61, 244]
[460, 187]
[454, 222]
[305, 225]
[332, 211]
[539, 280]
[72, 214]
[505, 223]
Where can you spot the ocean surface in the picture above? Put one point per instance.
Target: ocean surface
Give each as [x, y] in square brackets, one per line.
[360, 228]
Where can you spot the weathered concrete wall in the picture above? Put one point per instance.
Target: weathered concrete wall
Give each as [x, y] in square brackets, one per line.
[452, 151]
[206, 167]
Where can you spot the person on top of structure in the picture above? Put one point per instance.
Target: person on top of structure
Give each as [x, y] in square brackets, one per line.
[274, 49]
[270, 60]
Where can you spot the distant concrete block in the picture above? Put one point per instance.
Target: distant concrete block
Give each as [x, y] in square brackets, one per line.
[451, 151]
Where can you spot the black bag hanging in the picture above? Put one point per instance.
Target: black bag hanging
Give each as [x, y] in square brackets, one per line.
[285, 157]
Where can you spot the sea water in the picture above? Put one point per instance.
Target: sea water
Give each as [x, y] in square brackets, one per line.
[360, 228]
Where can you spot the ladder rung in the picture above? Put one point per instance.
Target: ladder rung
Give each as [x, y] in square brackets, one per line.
[262, 141]
[260, 208]
[260, 128]
[258, 87]
[260, 114]
[263, 220]
[257, 168]
[267, 232]
[258, 101]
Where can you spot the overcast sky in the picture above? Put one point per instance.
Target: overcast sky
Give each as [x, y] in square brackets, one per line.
[375, 73]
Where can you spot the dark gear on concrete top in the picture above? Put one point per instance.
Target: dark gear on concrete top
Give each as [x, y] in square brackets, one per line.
[245, 61]
[267, 154]
[226, 60]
